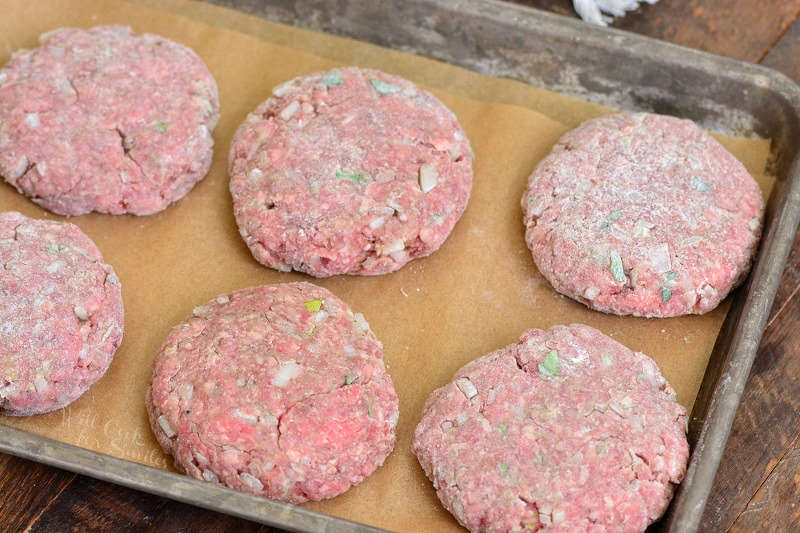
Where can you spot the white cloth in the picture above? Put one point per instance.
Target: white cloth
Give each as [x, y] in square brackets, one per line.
[593, 10]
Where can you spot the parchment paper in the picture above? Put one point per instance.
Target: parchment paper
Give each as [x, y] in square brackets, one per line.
[477, 293]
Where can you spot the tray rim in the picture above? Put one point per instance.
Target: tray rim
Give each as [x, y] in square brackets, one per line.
[755, 298]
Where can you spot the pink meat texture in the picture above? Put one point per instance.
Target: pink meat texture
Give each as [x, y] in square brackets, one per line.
[105, 120]
[279, 391]
[642, 214]
[61, 315]
[567, 430]
[350, 171]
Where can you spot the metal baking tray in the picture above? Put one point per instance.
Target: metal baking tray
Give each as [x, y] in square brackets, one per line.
[608, 66]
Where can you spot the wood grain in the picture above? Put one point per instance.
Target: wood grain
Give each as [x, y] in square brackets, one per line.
[758, 484]
[742, 29]
[776, 505]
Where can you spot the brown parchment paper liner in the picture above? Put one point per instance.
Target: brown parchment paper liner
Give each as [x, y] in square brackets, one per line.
[477, 293]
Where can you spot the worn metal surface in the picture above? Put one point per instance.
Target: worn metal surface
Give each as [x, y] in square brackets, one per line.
[606, 66]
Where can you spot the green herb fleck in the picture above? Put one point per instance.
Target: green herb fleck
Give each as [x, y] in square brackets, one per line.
[641, 375]
[369, 409]
[503, 468]
[161, 127]
[700, 185]
[671, 275]
[666, 294]
[616, 267]
[384, 87]
[348, 379]
[551, 366]
[530, 527]
[332, 78]
[111, 279]
[355, 177]
[309, 332]
[52, 248]
[313, 305]
[612, 217]
[502, 427]
[601, 448]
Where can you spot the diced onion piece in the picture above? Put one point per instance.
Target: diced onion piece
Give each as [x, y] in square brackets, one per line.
[251, 481]
[165, 427]
[659, 258]
[289, 111]
[32, 120]
[288, 371]
[428, 177]
[466, 387]
[393, 247]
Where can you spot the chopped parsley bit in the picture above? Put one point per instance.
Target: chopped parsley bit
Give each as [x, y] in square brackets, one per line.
[700, 185]
[641, 375]
[671, 275]
[369, 409]
[354, 177]
[666, 294]
[161, 127]
[502, 427]
[52, 248]
[331, 78]
[503, 468]
[613, 216]
[616, 267]
[530, 526]
[384, 87]
[309, 332]
[313, 305]
[348, 379]
[551, 366]
[112, 280]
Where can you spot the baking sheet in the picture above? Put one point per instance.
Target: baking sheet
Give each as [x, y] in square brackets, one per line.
[477, 293]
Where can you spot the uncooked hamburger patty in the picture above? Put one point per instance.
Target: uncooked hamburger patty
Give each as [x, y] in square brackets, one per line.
[642, 214]
[279, 391]
[61, 315]
[105, 120]
[350, 171]
[567, 430]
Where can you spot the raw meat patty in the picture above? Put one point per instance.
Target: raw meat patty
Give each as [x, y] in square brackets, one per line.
[279, 391]
[105, 120]
[642, 215]
[351, 171]
[567, 430]
[61, 316]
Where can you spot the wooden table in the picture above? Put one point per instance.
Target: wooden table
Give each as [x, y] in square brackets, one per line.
[758, 484]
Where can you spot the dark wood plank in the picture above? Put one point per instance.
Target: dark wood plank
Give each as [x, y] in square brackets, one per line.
[775, 506]
[28, 489]
[92, 505]
[743, 29]
[768, 420]
[758, 472]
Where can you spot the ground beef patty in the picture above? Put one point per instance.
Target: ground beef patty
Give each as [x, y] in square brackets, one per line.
[567, 430]
[351, 171]
[642, 214]
[105, 120]
[60, 314]
[279, 391]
